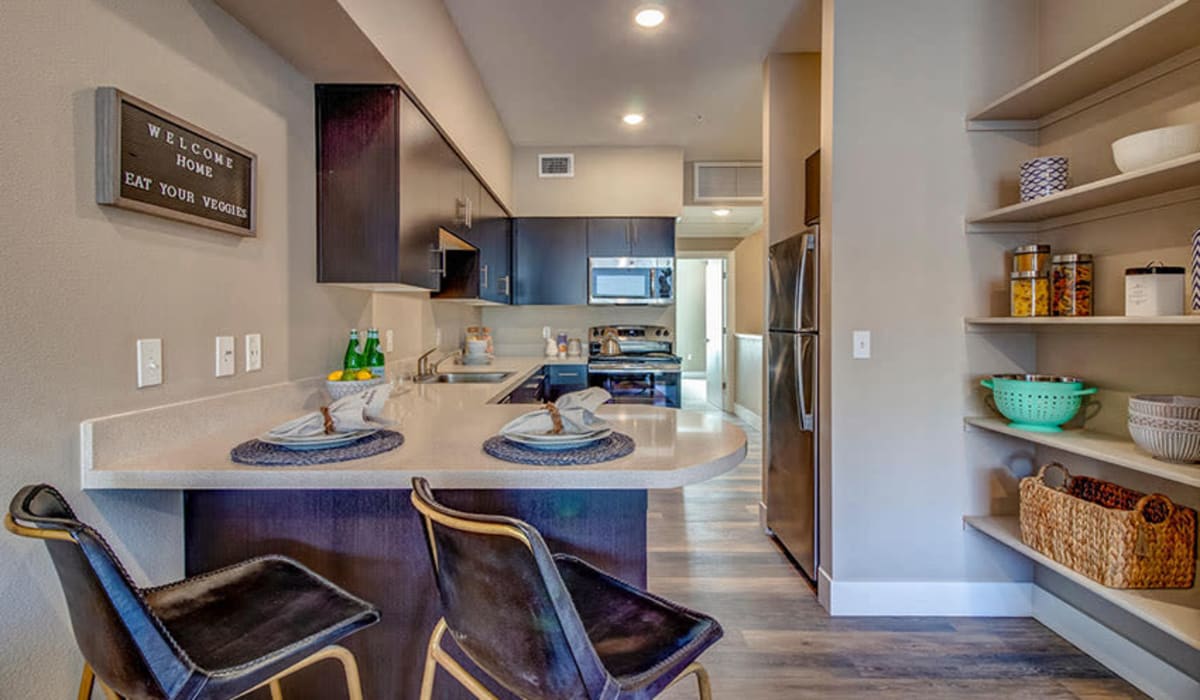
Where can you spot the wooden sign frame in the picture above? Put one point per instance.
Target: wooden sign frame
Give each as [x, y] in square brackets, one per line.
[109, 137]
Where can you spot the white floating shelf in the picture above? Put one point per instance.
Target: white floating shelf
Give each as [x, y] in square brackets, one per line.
[1106, 448]
[1157, 37]
[1177, 174]
[1174, 611]
[987, 323]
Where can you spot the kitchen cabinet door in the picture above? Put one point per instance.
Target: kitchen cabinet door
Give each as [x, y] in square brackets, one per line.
[653, 237]
[428, 186]
[491, 232]
[550, 261]
[609, 238]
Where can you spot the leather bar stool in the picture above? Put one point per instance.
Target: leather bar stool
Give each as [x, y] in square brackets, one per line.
[549, 627]
[214, 636]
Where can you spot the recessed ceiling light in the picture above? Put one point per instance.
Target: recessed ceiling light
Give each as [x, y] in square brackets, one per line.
[650, 16]
[633, 118]
[721, 212]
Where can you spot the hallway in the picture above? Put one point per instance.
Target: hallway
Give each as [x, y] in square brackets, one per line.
[707, 551]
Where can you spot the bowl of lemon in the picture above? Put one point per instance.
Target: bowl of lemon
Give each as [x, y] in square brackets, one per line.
[341, 384]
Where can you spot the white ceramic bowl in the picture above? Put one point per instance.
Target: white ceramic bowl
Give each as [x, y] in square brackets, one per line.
[1165, 406]
[1147, 148]
[339, 390]
[1180, 447]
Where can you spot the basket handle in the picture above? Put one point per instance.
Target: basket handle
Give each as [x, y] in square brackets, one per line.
[987, 383]
[1041, 475]
[1085, 392]
[1146, 500]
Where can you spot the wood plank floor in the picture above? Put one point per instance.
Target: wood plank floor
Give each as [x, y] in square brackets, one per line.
[707, 552]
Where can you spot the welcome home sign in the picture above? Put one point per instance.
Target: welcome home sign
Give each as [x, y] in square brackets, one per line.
[151, 161]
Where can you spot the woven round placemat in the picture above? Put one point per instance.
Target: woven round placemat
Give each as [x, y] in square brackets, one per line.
[262, 454]
[612, 447]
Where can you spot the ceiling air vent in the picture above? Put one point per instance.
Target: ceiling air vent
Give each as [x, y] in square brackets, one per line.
[727, 181]
[556, 165]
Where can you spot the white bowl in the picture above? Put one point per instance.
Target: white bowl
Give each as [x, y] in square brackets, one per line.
[1165, 406]
[1147, 148]
[339, 390]
[1177, 446]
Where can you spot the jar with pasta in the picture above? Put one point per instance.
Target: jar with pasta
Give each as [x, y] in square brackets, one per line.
[1071, 275]
[1029, 294]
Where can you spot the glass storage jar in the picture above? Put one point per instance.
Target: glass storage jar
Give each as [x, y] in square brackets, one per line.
[1071, 275]
[1029, 294]
[1031, 258]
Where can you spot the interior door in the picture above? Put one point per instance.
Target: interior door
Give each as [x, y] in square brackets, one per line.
[714, 332]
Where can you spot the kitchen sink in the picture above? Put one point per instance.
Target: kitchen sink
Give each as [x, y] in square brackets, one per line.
[466, 378]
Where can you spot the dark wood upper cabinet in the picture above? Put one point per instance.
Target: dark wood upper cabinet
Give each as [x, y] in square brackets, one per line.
[653, 237]
[493, 231]
[387, 181]
[646, 237]
[550, 260]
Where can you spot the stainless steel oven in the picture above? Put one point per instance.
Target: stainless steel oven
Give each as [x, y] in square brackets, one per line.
[638, 383]
[631, 281]
[640, 369]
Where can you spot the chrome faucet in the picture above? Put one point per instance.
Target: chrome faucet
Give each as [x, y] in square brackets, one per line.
[423, 368]
[445, 357]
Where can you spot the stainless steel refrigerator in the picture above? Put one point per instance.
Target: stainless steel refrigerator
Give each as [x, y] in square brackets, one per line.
[791, 475]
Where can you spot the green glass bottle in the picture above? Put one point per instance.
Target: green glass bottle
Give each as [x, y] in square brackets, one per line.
[373, 355]
[353, 361]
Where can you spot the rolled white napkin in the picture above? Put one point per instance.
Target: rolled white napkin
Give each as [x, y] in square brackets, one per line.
[578, 412]
[361, 411]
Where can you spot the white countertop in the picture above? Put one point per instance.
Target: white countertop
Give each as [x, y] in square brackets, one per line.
[444, 427]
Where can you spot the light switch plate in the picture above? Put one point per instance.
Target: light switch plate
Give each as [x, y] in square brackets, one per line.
[149, 359]
[862, 345]
[225, 358]
[389, 341]
[254, 358]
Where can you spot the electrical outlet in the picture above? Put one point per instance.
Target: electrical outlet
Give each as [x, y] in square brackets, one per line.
[389, 341]
[225, 358]
[862, 345]
[253, 352]
[149, 359]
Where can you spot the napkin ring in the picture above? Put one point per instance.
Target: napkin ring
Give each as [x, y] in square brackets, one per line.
[556, 417]
[328, 420]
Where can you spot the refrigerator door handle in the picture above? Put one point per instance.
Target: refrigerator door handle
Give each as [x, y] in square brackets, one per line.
[802, 290]
[807, 417]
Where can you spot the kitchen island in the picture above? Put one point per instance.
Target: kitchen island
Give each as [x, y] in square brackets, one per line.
[353, 522]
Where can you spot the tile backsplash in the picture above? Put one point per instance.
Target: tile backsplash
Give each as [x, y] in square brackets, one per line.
[517, 330]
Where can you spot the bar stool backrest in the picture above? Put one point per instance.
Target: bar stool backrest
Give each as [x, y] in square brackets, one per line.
[506, 605]
[114, 628]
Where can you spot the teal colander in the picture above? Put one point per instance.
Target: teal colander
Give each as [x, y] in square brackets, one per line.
[1037, 402]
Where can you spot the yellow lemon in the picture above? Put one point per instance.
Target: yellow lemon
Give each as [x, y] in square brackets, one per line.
[335, 376]
[363, 375]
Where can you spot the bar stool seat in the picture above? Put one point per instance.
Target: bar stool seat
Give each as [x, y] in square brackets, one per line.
[255, 618]
[644, 641]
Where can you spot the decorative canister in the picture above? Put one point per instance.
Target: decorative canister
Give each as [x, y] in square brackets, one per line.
[1195, 304]
[1154, 290]
[1029, 294]
[1031, 258]
[1044, 176]
[1071, 277]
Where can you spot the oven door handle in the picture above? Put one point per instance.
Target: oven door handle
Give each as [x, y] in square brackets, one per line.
[632, 370]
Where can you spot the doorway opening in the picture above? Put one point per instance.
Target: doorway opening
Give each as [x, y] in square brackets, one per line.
[701, 335]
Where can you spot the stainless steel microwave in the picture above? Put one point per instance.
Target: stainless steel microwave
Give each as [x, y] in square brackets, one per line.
[632, 281]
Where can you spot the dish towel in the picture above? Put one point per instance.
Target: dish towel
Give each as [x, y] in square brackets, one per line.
[361, 411]
[576, 410]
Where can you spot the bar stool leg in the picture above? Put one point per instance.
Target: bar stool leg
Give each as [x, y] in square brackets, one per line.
[702, 680]
[435, 639]
[436, 656]
[276, 691]
[350, 668]
[86, 681]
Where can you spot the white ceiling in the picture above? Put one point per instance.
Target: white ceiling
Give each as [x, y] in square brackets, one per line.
[563, 72]
[701, 222]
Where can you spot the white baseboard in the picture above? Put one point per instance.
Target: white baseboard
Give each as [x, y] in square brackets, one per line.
[750, 417]
[1144, 670]
[925, 598]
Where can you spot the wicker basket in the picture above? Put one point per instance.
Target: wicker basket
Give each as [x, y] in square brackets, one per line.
[1111, 534]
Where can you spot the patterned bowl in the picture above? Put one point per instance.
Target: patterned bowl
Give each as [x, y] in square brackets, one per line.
[1176, 446]
[1042, 177]
[1165, 406]
[340, 390]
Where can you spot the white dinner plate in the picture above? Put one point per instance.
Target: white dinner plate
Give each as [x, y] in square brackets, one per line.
[559, 437]
[560, 442]
[318, 442]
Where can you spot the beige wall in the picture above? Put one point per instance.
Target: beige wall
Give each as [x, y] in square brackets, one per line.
[609, 181]
[706, 244]
[689, 313]
[748, 373]
[749, 284]
[421, 42]
[81, 282]
[791, 131]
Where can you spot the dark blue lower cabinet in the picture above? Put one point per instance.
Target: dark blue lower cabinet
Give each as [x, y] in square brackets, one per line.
[563, 379]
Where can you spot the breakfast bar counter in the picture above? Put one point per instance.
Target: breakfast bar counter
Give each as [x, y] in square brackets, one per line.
[353, 522]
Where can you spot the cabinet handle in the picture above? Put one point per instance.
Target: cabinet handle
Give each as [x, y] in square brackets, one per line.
[460, 210]
[507, 282]
[470, 213]
[440, 252]
[483, 274]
